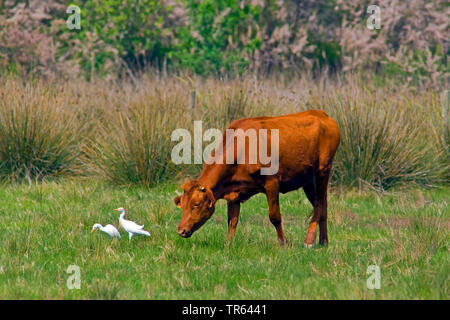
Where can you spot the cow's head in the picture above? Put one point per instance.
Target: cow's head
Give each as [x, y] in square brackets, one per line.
[197, 203]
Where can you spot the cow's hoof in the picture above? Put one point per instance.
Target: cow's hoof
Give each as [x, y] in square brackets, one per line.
[308, 246]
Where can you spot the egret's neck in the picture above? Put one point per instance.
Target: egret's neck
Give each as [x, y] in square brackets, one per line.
[122, 215]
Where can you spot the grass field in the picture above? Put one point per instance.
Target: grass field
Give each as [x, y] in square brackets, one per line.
[46, 227]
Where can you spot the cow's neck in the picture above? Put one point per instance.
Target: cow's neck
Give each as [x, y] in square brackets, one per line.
[211, 176]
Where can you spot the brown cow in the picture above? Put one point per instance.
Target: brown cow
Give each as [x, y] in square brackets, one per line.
[307, 144]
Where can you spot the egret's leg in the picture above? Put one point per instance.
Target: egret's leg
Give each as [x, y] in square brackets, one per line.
[130, 235]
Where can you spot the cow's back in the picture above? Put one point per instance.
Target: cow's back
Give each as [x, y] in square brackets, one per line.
[307, 143]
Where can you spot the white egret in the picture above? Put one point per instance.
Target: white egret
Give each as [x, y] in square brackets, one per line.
[109, 229]
[131, 227]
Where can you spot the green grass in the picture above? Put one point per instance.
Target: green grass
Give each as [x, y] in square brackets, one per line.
[46, 227]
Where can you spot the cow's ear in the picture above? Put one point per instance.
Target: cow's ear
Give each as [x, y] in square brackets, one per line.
[177, 201]
[184, 186]
[210, 196]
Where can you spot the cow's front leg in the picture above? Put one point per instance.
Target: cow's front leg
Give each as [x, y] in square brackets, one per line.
[233, 217]
[272, 194]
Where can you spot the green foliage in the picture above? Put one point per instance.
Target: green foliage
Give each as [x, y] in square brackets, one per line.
[139, 34]
[325, 54]
[211, 43]
[225, 38]
[117, 32]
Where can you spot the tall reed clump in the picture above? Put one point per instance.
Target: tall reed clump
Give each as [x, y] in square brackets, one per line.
[121, 131]
[133, 142]
[386, 139]
[222, 102]
[41, 136]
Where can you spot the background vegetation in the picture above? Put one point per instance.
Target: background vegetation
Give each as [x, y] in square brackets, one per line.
[239, 58]
[121, 132]
[227, 38]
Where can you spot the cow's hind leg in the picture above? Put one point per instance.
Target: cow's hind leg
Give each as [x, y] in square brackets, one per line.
[316, 192]
[272, 194]
[322, 188]
[310, 191]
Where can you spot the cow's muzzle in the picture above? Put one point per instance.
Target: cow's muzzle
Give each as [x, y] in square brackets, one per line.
[184, 233]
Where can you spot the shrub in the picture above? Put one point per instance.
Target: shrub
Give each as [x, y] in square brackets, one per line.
[213, 40]
[227, 38]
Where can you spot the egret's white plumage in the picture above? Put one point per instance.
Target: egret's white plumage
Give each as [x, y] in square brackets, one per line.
[109, 229]
[131, 227]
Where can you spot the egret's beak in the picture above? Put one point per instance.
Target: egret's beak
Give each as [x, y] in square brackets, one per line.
[116, 209]
[93, 229]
